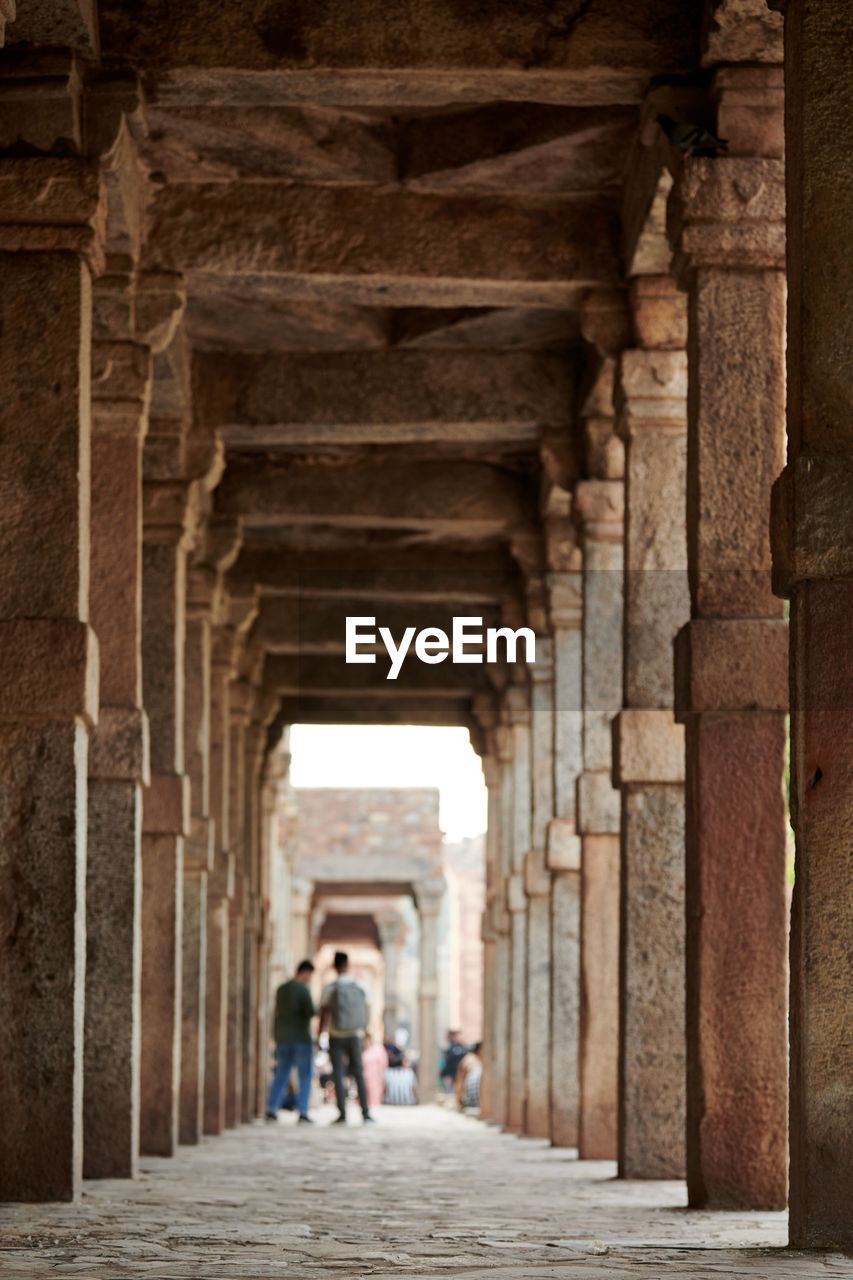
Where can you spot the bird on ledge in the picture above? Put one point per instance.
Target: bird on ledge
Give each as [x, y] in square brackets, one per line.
[691, 139]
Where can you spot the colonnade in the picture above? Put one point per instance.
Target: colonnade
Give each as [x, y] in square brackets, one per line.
[664, 866]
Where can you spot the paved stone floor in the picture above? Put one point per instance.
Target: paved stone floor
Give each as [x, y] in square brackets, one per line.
[423, 1193]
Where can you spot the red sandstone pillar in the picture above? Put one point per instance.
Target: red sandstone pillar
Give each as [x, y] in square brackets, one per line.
[219, 891]
[813, 565]
[727, 223]
[564, 853]
[198, 850]
[49, 678]
[651, 398]
[165, 819]
[118, 755]
[599, 506]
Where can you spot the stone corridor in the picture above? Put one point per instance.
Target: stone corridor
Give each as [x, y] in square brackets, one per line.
[425, 1192]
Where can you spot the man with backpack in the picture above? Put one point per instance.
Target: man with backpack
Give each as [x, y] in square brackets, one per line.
[343, 1008]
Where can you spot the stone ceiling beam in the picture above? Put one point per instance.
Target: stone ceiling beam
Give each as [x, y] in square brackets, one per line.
[373, 574]
[330, 675]
[394, 396]
[278, 228]
[390, 710]
[319, 626]
[462, 499]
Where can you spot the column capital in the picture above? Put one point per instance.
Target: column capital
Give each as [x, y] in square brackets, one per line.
[517, 704]
[203, 587]
[53, 205]
[600, 508]
[566, 600]
[492, 773]
[659, 309]
[648, 747]
[651, 392]
[165, 513]
[121, 387]
[537, 874]
[241, 701]
[161, 298]
[429, 895]
[727, 212]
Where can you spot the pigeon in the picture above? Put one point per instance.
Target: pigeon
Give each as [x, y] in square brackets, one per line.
[691, 139]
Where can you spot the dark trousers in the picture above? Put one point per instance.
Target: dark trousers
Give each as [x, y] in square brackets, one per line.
[348, 1047]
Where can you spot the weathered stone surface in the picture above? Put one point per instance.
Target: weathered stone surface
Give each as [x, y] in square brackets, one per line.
[358, 35]
[562, 1210]
[162, 881]
[118, 745]
[193, 1000]
[820, 376]
[113, 944]
[648, 746]
[459, 497]
[736, 1097]
[46, 305]
[390, 395]
[565, 1007]
[282, 229]
[48, 670]
[651, 984]
[598, 804]
[43, 825]
[599, 1025]
[731, 664]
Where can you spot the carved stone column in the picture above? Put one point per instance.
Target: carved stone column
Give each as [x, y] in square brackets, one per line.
[220, 890]
[49, 684]
[599, 506]
[492, 774]
[537, 886]
[199, 850]
[518, 711]
[813, 566]
[428, 895]
[651, 397]
[166, 805]
[240, 699]
[391, 930]
[727, 223]
[564, 855]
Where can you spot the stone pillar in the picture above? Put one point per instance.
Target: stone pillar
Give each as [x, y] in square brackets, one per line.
[220, 889]
[564, 855]
[118, 752]
[727, 223]
[518, 711]
[599, 505]
[239, 696]
[537, 886]
[648, 763]
[255, 735]
[165, 817]
[199, 850]
[488, 1093]
[497, 1031]
[429, 895]
[391, 936]
[50, 669]
[300, 928]
[813, 565]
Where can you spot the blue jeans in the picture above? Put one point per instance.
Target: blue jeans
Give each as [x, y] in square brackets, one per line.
[288, 1056]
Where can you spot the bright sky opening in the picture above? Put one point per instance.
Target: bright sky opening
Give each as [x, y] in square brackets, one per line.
[396, 756]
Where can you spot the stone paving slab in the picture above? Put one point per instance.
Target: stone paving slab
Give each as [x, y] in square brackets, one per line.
[424, 1193]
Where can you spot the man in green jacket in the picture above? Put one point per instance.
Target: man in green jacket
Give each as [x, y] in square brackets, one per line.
[294, 1047]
